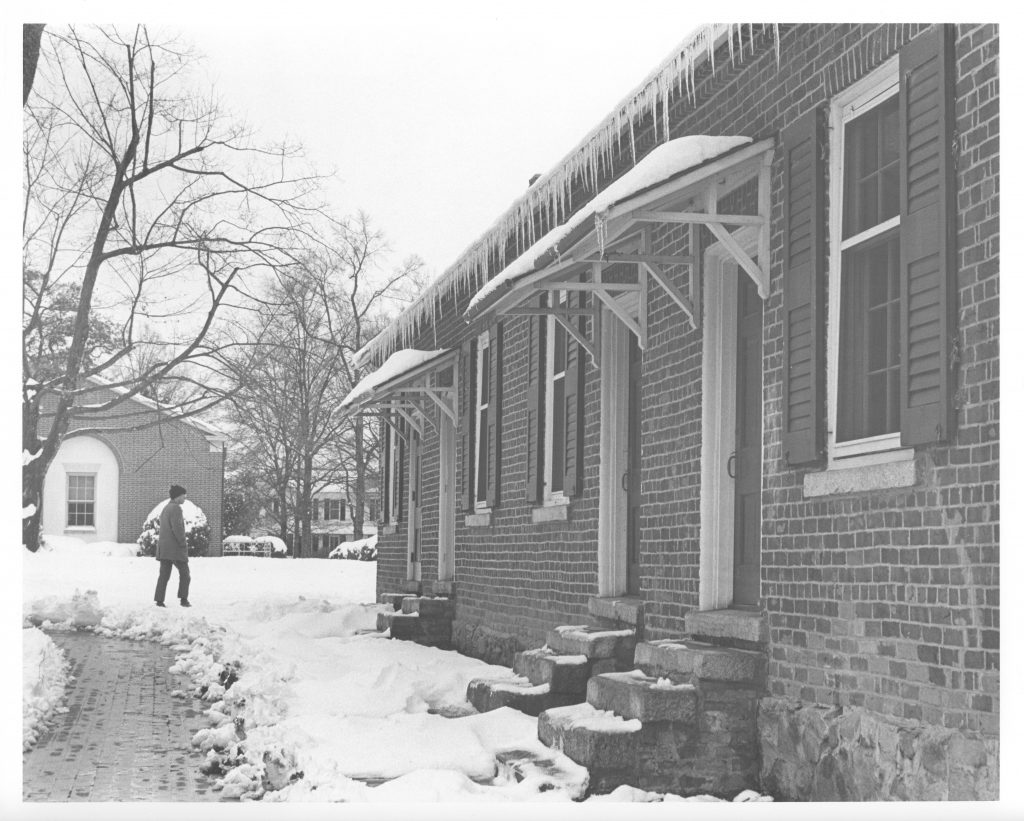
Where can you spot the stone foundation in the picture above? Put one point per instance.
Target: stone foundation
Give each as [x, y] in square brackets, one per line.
[813, 753]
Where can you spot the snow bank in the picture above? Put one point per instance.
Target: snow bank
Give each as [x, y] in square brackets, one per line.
[306, 701]
[190, 511]
[45, 676]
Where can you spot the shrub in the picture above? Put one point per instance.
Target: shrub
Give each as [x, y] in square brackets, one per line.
[363, 550]
[197, 530]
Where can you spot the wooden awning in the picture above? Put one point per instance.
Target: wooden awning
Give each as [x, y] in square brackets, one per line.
[407, 386]
[615, 230]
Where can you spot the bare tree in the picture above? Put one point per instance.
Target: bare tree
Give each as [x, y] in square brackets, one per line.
[157, 209]
[312, 321]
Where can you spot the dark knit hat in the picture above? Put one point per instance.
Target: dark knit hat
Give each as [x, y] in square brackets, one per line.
[176, 491]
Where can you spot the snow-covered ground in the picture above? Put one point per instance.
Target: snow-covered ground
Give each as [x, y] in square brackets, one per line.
[314, 709]
[44, 679]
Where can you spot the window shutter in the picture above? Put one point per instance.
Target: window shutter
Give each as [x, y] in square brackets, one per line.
[468, 400]
[494, 417]
[573, 479]
[803, 432]
[927, 239]
[535, 410]
[385, 433]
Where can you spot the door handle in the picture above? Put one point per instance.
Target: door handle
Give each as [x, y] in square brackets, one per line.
[625, 481]
[730, 466]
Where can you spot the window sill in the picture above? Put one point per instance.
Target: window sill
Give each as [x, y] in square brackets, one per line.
[556, 510]
[79, 529]
[836, 481]
[481, 519]
[389, 530]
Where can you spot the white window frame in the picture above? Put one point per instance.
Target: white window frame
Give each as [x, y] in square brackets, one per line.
[67, 501]
[393, 478]
[850, 103]
[557, 497]
[483, 350]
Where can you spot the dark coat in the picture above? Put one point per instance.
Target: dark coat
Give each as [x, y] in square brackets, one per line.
[172, 545]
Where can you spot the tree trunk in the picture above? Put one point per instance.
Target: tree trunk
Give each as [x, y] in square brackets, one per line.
[33, 475]
[359, 505]
[31, 34]
[305, 504]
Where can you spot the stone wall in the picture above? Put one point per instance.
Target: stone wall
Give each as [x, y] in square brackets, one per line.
[814, 753]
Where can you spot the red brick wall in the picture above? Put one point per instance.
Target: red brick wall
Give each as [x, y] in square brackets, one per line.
[152, 459]
[885, 599]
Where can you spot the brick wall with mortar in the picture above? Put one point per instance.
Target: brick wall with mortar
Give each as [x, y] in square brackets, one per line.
[151, 459]
[886, 600]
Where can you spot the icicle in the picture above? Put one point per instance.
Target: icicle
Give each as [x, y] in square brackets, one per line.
[601, 232]
[778, 47]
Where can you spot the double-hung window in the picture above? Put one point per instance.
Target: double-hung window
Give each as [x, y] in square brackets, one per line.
[482, 408]
[555, 407]
[81, 500]
[864, 350]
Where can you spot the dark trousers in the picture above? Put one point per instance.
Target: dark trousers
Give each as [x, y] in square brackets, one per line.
[184, 577]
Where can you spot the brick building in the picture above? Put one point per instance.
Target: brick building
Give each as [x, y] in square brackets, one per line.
[739, 395]
[115, 466]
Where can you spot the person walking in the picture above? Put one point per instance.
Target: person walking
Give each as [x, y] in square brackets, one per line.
[172, 548]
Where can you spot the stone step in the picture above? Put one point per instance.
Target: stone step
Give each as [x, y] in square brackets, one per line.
[547, 772]
[411, 587]
[645, 698]
[428, 632]
[744, 629]
[429, 608]
[620, 611]
[564, 674]
[606, 744]
[393, 599]
[686, 660]
[518, 693]
[384, 620]
[594, 642]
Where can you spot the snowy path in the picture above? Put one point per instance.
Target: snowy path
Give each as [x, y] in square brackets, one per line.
[124, 736]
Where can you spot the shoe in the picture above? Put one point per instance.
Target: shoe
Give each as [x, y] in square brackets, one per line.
[160, 604]
[184, 603]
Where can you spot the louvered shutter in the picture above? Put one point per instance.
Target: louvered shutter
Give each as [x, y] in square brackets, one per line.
[467, 399]
[535, 410]
[927, 238]
[494, 391]
[803, 432]
[573, 479]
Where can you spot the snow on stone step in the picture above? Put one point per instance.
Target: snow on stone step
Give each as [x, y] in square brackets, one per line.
[597, 739]
[593, 642]
[564, 674]
[548, 772]
[516, 692]
[645, 698]
[677, 658]
[393, 599]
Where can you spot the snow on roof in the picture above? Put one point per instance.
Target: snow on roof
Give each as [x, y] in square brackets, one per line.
[398, 364]
[665, 161]
[205, 427]
[586, 162]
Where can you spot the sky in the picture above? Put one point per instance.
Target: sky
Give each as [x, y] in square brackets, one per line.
[434, 116]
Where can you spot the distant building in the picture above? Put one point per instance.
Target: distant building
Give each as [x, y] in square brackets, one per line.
[107, 477]
[331, 521]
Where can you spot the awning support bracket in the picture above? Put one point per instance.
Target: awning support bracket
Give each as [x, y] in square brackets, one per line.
[678, 297]
[617, 309]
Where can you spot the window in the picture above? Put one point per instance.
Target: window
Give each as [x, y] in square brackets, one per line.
[864, 344]
[334, 509]
[483, 386]
[81, 500]
[555, 407]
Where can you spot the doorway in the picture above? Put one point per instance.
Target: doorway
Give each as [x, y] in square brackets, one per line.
[631, 478]
[732, 415]
[415, 508]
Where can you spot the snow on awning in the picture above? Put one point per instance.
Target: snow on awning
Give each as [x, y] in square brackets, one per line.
[397, 378]
[612, 137]
[665, 162]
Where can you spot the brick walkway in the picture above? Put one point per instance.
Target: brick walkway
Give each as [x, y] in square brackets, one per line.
[124, 738]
